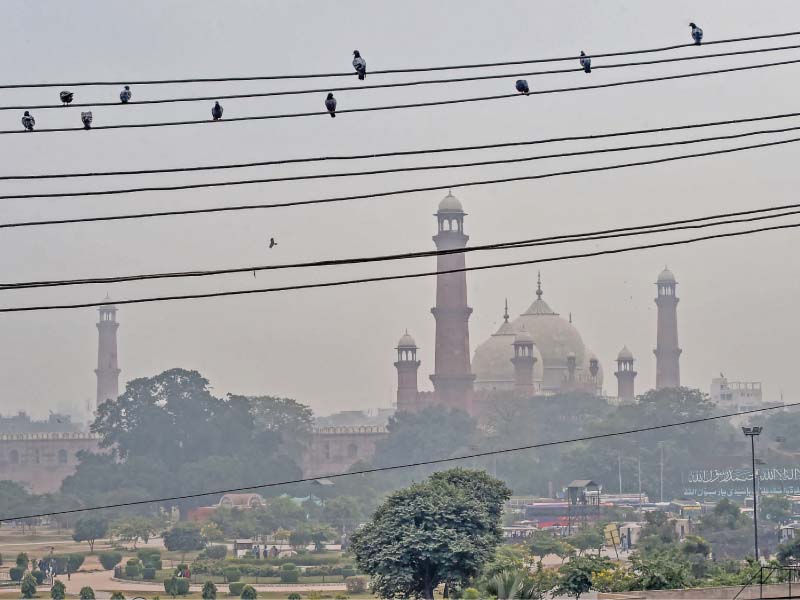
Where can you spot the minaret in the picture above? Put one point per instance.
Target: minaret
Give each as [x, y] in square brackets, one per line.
[107, 367]
[452, 378]
[668, 371]
[407, 366]
[523, 361]
[625, 375]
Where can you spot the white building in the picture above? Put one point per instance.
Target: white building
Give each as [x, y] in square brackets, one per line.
[736, 395]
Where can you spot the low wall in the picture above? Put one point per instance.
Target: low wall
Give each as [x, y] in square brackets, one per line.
[753, 592]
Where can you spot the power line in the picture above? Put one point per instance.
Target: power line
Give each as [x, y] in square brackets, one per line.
[390, 71]
[404, 106]
[395, 84]
[664, 227]
[347, 157]
[386, 171]
[348, 282]
[422, 463]
[328, 200]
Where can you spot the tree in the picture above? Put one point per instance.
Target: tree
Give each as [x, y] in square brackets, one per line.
[588, 538]
[543, 543]
[663, 571]
[576, 575]
[58, 591]
[212, 532]
[440, 531]
[776, 509]
[28, 587]
[89, 529]
[183, 538]
[209, 591]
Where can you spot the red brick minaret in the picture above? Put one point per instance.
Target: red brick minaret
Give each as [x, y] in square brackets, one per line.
[452, 378]
[407, 366]
[107, 367]
[668, 371]
[625, 375]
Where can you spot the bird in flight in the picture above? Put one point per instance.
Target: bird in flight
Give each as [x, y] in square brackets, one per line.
[272, 242]
[360, 65]
[125, 94]
[330, 104]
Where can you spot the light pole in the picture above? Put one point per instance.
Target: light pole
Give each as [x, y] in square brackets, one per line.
[752, 432]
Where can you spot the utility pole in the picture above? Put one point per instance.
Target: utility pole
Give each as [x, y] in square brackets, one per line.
[619, 468]
[752, 432]
[639, 467]
[661, 468]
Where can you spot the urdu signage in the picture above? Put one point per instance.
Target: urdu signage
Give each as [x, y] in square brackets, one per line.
[738, 483]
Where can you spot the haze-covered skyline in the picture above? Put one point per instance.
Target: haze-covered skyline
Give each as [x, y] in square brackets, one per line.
[333, 349]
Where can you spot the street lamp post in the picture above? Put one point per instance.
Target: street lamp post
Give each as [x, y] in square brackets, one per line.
[752, 432]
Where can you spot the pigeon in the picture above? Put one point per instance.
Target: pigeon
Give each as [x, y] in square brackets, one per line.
[697, 34]
[216, 111]
[86, 117]
[586, 62]
[125, 95]
[330, 104]
[66, 97]
[28, 121]
[272, 242]
[522, 87]
[360, 65]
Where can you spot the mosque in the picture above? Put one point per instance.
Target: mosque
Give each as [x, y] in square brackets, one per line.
[538, 353]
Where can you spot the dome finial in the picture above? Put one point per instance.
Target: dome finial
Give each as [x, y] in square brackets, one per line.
[505, 313]
[539, 284]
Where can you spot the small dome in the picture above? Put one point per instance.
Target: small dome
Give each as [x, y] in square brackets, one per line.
[450, 204]
[625, 354]
[406, 341]
[666, 276]
[523, 337]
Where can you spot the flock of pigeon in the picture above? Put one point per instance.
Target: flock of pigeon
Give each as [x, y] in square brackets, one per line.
[359, 64]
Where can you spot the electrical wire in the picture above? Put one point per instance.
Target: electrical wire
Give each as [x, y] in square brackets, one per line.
[394, 85]
[664, 227]
[328, 200]
[422, 463]
[363, 280]
[386, 171]
[392, 71]
[404, 106]
[347, 157]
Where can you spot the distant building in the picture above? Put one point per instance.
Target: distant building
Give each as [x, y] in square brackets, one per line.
[23, 423]
[736, 395]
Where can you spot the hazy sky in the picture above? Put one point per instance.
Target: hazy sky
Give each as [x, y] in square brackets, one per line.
[333, 349]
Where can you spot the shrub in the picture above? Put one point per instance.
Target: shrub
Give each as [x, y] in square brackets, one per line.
[38, 575]
[293, 596]
[86, 593]
[235, 589]
[1, 560]
[16, 573]
[117, 596]
[58, 591]
[232, 574]
[356, 585]
[132, 569]
[216, 552]
[348, 572]
[181, 567]
[148, 573]
[288, 567]
[341, 596]
[209, 591]
[471, 594]
[249, 593]
[176, 586]
[148, 555]
[28, 587]
[109, 560]
[22, 560]
[289, 576]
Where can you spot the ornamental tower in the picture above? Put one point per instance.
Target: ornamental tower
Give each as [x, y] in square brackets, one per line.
[452, 378]
[668, 371]
[523, 362]
[407, 366]
[107, 367]
[625, 375]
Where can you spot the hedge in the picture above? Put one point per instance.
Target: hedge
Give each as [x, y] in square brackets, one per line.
[289, 576]
[235, 589]
[148, 573]
[232, 574]
[109, 560]
[176, 586]
[132, 569]
[356, 585]
[16, 573]
[216, 552]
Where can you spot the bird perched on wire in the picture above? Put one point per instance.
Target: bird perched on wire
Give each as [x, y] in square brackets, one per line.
[697, 34]
[216, 111]
[125, 95]
[586, 62]
[272, 242]
[522, 87]
[330, 104]
[86, 117]
[28, 121]
[360, 65]
[66, 97]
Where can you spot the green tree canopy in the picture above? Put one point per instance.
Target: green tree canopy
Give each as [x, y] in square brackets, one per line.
[440, 531]
[89, 529]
